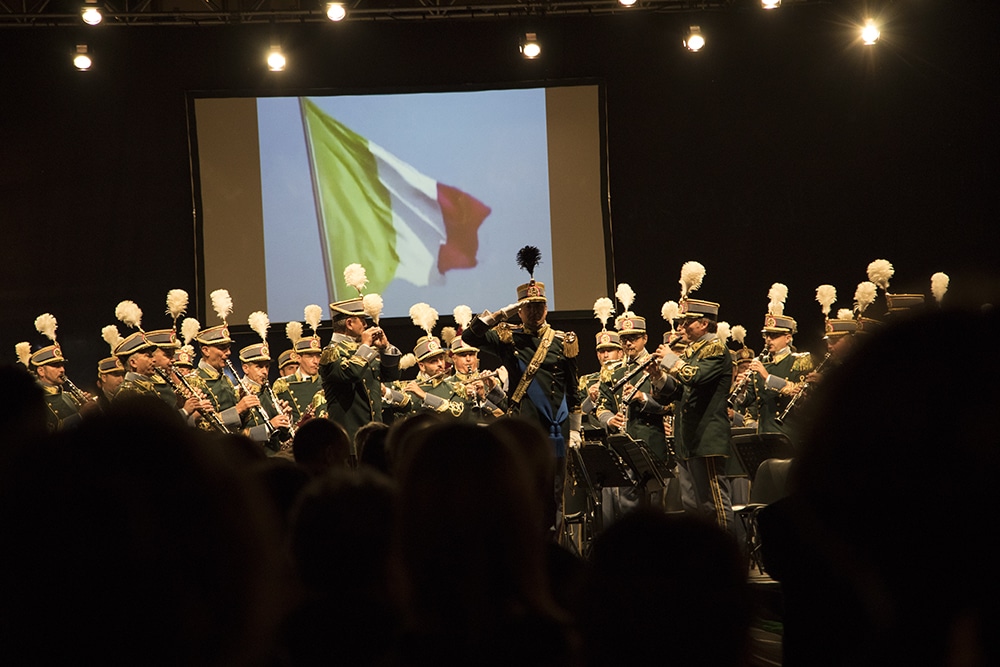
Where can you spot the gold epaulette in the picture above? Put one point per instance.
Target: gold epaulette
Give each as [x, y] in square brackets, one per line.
[570, 343]
[803, 361]
[606, 372]
[712, 348]
[504, 332]
[318, 399]
[280, 385]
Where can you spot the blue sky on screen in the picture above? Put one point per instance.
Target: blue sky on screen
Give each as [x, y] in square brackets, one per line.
[490, 144]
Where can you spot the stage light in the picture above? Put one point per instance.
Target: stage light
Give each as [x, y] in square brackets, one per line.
[870, 33]
[626, 3]
[91, 13]
[770, 4]
[276, 59]
[335, 11]
[530, 48]
[695, 40]
[82, 60]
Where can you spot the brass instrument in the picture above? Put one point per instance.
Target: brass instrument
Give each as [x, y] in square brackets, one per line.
[184, 387]
[739, 390]
[259, 409]
[780, 419]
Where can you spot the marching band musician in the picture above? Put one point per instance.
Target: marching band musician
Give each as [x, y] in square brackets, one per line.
[256, 364]
[214, 344]
[48, 366]
[436, 391]
[354, 365]
[699, 379]
[110, 372]
[772, 383]
[299, 388]
[609, 350]
[135, 353]
[485, 396]
[288, 362]
[632, 409]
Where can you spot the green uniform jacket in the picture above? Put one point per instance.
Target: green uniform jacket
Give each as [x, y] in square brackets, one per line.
[135, 384]
[700, 387]
[772, 397]
[352, 381]
[444, 396]
[63, 411]
[299, 392]
[645, 421]
[222, 394]
[253, 422]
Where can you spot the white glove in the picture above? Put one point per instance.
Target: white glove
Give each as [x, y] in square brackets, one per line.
[575, 440]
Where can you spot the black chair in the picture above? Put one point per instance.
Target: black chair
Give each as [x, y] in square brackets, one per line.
[766, 458]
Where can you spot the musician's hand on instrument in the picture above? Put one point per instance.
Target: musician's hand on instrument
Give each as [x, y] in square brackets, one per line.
[617, 421]
[285, 406]
[90, 406]
[792, 388]
[575, 439]
[757, 367]
[654, 370]
[247, 402]
[593, 392]
[635, 396]
[281, 421]
[191, 405]
[814, 377]
[414, 388]
[478, 389]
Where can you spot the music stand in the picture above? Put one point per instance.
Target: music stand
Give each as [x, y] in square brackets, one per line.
[755, 448]
[603, 470]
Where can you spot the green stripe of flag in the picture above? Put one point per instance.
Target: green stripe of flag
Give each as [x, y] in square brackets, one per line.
[355, 210]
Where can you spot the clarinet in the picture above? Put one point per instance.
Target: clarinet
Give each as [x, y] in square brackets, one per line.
[739, 390]
[79, 395]
[274, 401]
[183, 386]
[780, 419]
[259, 409]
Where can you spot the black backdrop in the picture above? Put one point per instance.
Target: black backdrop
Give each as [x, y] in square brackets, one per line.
[783, 152]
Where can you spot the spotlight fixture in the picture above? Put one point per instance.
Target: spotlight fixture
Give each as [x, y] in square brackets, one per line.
[530, 48]
[91, 13]
[81, 59]
[695, 40]
[870, 33]
[626, 3]
[276, 59]
[336, 11]
[770, 4]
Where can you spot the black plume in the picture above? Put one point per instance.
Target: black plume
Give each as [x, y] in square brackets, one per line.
[528, 258]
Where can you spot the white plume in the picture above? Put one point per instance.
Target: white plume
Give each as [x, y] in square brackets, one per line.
[259, 322]
[372, 304]
[424, 316]
[222, 303]
[129, 313]
[355, 276]
[626, 295]
[826, 295]
[777, 296]
[692, 273]
[23, 351]
[177, 303]
[294, 332]
[845, 314]
[46, 325]
[111, 336]
[724, 331]
[463, 316]
[313, 315]
[879, 272]
[189, 329]
[739, 334]
[864, 296]
[670, 311]
[603, 308]
[939, 285]
[447, 335]
[408, 360]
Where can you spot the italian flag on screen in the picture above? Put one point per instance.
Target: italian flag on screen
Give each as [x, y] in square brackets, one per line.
[378, 211]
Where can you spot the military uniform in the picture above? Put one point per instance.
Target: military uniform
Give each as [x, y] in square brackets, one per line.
[134, 383]
[493, 404]
[699, 380]
[219, 389]
[62, 409]
[645, 419]
[299, 391]
[605, 340]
